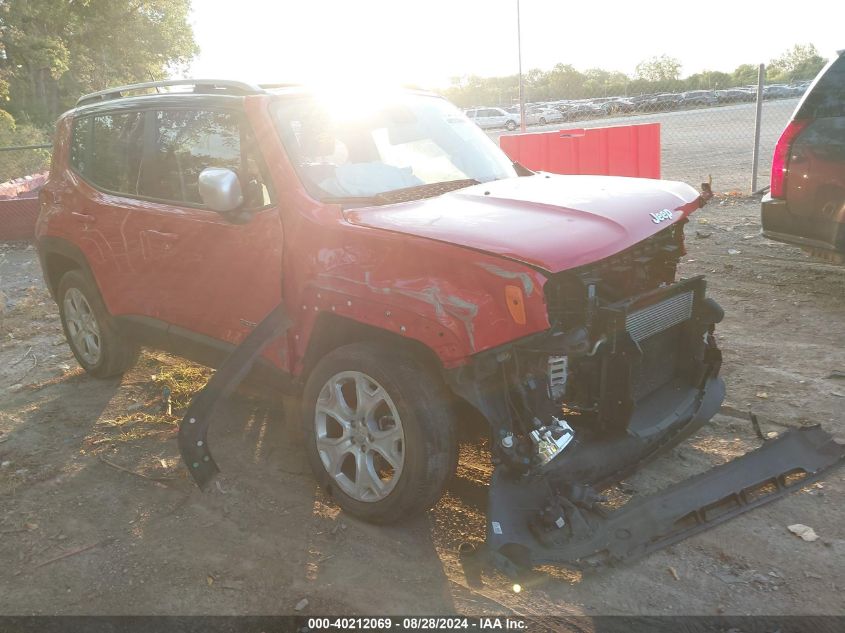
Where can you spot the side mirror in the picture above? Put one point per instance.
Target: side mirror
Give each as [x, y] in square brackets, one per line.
[220, 189]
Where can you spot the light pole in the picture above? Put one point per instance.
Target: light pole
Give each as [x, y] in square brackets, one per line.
[521, 87]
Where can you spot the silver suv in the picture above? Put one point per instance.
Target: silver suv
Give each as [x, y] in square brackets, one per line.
[493, 117]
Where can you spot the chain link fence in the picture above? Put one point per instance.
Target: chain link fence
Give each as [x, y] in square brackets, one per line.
[18, 160]
[704, 133]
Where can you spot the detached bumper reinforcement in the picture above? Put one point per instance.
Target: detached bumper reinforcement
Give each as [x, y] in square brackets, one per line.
[193, 430]
[592, 539]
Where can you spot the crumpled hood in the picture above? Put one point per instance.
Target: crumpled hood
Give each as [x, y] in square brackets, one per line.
[548, 221]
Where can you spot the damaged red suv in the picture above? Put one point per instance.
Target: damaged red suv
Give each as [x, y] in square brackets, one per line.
[383, 254]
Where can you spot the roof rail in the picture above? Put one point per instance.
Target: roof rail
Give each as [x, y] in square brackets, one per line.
[200, 86]
[272, 86]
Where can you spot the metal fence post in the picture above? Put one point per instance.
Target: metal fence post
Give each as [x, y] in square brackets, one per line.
[521, 85]
[761, 74]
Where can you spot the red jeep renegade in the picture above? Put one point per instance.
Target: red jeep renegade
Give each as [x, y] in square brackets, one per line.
[424, 277]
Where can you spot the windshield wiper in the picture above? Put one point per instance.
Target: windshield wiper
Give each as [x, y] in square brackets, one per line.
[418, 192]
[522, 170]
[406, 194]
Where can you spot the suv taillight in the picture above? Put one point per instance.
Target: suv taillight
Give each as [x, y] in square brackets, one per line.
[780, 161]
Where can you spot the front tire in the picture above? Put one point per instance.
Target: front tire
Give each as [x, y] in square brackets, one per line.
[510, 126]
[379, 431]
[543, 120]
[90, 330]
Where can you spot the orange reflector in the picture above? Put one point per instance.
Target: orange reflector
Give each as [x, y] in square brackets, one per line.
[516, 304]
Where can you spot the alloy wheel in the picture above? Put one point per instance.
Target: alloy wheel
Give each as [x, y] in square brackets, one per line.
[82, 326]
[359, 436]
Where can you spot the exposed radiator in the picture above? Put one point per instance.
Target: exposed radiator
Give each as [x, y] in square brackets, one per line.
[659, 316]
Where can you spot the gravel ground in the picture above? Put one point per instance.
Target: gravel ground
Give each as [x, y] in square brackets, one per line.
[97, 516]
[704, 142]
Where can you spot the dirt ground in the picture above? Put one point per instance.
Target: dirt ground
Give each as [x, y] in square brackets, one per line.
[97, 515]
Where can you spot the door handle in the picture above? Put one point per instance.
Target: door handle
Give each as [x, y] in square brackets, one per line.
[82, 217]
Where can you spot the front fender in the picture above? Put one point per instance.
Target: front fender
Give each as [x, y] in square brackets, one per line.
[454, 304]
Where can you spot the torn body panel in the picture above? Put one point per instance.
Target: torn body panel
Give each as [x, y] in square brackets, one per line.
[193, 430]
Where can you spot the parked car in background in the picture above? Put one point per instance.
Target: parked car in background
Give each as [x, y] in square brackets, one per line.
[778, 91]
[656, 103]
[698, 98]
[735, 95]
[541, 115]
[617, 105]
[487, 118]
[806, 202]
[579, 110]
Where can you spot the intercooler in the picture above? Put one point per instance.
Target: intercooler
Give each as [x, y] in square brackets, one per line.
[658, 317]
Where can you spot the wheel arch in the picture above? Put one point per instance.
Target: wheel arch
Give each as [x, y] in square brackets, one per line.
[331, 331]
[58, 256]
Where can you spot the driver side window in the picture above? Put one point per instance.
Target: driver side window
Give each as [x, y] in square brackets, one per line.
[184, 142]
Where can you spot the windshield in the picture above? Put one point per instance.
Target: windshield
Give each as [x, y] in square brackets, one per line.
[354, 148]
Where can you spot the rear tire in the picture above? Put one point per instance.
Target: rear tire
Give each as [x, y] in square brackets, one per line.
[510, 126]
[90, 330]
[379, 431]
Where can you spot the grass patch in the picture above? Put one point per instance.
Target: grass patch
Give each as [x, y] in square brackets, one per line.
[166, 374]
[184, 380]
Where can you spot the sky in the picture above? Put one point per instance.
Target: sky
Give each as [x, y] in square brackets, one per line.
[426, 42]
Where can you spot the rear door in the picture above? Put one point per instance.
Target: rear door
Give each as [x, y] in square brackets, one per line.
[105, 155]
[815, 186]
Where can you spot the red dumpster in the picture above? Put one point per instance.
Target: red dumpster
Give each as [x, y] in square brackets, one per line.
[625, 150]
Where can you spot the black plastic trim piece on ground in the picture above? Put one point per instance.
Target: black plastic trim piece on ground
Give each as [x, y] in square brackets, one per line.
[591, 539]
[193, 430]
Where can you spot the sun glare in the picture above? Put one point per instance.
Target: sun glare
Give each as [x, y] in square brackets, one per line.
[344, 100]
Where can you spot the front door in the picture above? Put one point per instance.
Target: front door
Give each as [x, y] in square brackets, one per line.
[205, 274]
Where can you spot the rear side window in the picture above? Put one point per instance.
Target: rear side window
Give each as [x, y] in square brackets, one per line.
[116, 151]
[827, 98]
[79, 144]
[107, 150]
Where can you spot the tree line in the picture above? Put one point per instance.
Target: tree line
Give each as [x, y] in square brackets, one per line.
[53, 51]
[653, 75]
